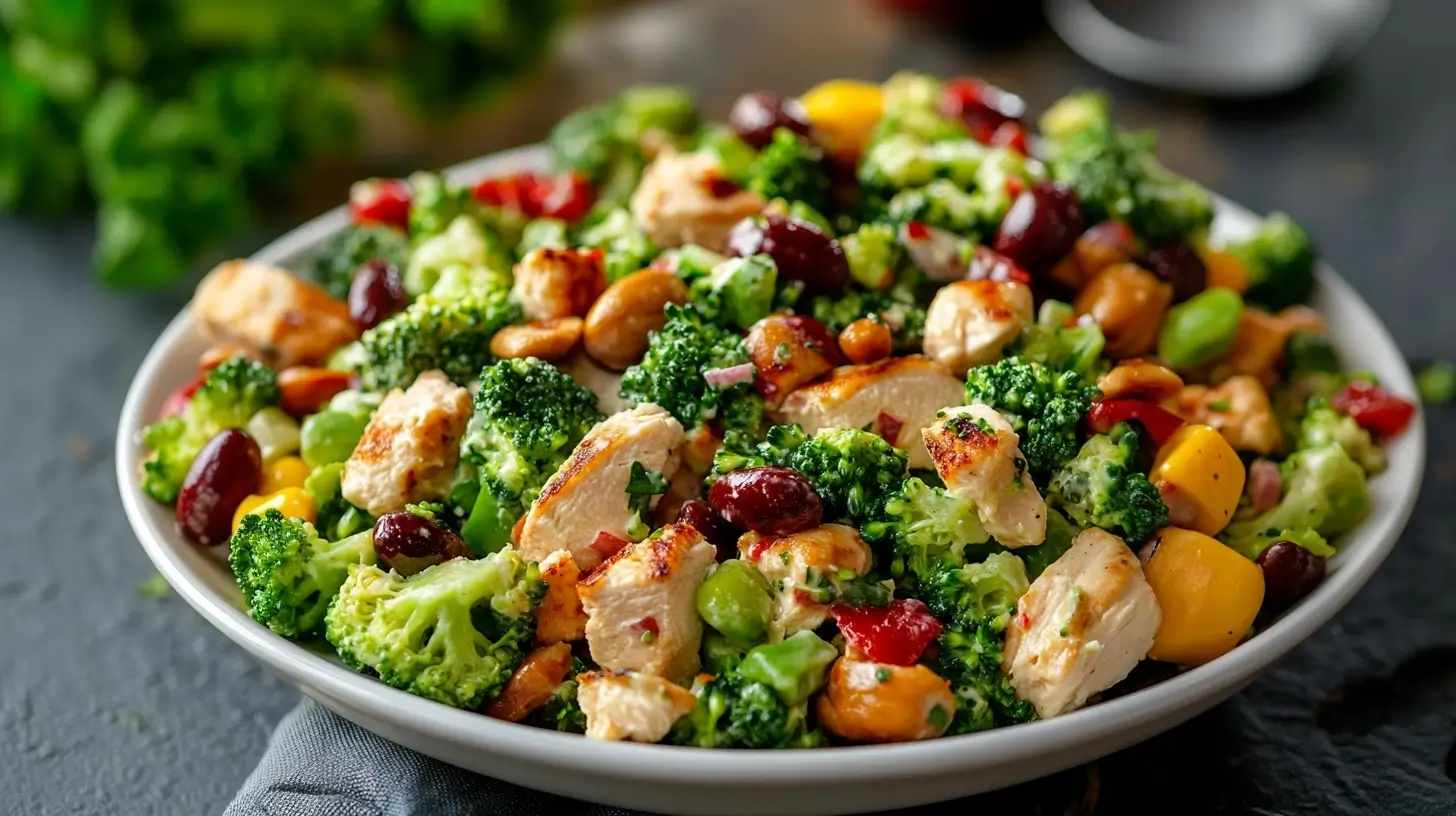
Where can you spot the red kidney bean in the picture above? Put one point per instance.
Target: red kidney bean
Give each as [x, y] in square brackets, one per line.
[228, 470]
[409, 543]
[376, 293]
[800, 250]
[1290, 573]
[755, 117]
[702, 517]
[1180, 265]
[769, 500]
[1041, 226]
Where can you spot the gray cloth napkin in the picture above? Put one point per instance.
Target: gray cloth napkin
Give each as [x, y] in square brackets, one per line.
[319, 764]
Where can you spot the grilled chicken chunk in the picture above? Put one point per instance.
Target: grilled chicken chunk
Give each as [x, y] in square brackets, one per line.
[976, 455]
[627, 705]
[560, 617]
[1082, 626]
[970, 323]
[283, 320]
[897, 398]
[588, 495]
[410, 447]
[684, 198]
[639, 604]
[786, 561]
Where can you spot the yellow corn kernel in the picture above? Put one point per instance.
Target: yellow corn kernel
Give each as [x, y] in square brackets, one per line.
[1205, 472]
[844, 112]
[290, 501]
[1208, 595]
[289, 471]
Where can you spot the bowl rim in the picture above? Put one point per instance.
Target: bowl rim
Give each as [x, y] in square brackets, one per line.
[998, 747]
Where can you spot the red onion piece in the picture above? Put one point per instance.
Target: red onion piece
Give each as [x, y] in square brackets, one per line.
[730, 376]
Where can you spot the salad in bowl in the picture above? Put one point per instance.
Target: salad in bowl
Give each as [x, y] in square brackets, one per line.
[862, 418]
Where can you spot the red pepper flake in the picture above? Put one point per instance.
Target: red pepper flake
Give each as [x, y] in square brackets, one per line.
[897, 634]
[607, 545]
[1014, 187]
[647, 624]
[888, 427]
[1023, 620]
[804, 597]
[1374, 408]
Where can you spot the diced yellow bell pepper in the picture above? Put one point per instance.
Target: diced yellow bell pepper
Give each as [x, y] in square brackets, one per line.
[844, 112]
[1204, 471]
[290, 501]
[289, 471]
[1208, 595]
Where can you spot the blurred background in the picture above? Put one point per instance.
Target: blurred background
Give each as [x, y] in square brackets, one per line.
[143, 140]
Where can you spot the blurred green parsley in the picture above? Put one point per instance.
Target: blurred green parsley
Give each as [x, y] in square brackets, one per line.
[171, 116]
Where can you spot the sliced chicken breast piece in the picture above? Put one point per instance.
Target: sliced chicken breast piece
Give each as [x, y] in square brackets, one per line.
[285, 321]
[410, 447]
[588, 495]
[976, 454]
[639, 604]
[627, 705]
[683, 199]
[898, 398]
[970, 323]
[786, 562]
[1082, 626]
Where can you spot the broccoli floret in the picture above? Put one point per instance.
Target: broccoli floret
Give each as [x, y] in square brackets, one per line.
[1324, 492]
[603, 142]
[1060, 533]
[691, 262]
[901, 161]
[874, 253]
[1323, 425]
[288, 573]
[1043, 404]
[335, 263]
[528, 417]
[1054, 343]
[337, 518]
[434, 204]
[735, 712]
[671, 374]
[227, 398]
[625, 246]
[897, 306]
[942, 204]
[738, 293]
[975, 602]
[562, 712]
[911, 101]
[1279, 260]
[925, 526]
[792, 169]
[1102, 488]
[854, 472]
[452, 633]
[434, 333]
[465, 248]
[1116, 174]
[1311, 352]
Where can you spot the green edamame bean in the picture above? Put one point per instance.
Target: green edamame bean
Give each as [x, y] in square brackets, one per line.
[735, 600]
[1202, 329]
[330, 436]
[795, 667]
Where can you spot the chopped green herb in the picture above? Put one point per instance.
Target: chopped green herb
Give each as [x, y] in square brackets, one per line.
[647, 636]
[1437, 383]
[1220, 405]
[938, 717]
[882, 674]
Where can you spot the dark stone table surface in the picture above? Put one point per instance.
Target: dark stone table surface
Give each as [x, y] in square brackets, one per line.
[116, 703]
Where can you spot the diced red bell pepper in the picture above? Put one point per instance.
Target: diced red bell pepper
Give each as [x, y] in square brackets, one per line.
[897, 634]
[380, 201]
[1374, 408]
[568, 196]
[1158, 422]
[981, 106]
[177, 401]
[888, 426]
[607, 545]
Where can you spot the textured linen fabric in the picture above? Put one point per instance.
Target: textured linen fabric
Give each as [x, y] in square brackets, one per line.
[320, 764]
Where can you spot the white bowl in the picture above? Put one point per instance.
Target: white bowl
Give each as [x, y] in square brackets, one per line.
[838, 780]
